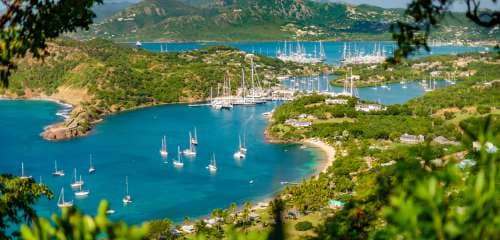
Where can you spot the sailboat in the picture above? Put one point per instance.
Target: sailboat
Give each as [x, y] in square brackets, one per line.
[22, 173]
[61, 203]
[163, 150]
[191, 151]
[240, 154]
[91, 166]
[127, 199]
[194, 140]
[178, 162]
[77, 183]
[82, 193]
[57, 173]
[212, 167]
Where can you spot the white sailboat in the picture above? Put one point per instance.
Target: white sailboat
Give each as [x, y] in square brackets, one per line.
[212, 167]
[82, 193]
[57, 172]
[240, 154]
[91, 166]
[178, 162]
[77, 183]
[61, 203]
[22, 173]
[127, 199]
[194, 140]
[163, 150]
[191, 151]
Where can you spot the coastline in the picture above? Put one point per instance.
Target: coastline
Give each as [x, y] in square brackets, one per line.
[326, 150]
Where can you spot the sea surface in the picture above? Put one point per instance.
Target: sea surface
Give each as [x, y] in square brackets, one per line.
[127, 144]
[333, 50]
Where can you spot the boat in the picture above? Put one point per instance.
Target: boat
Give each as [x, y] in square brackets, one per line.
[191, 151]
[240, 154]
[77, 183]
[22, 173]
[82, 193]
[212, 167]
[57, 172]
[91, 166]
[194, 140]
[61, 203]
[138, 44]
[163, 150]
[110, 211]
[178, 162]
[251, 181]
[127, 198]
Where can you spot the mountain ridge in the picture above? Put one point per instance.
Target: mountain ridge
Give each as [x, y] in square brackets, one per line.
[234, 20]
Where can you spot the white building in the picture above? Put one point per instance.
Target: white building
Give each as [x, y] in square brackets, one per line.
[411, 139]
[336, 101]
[368, 107]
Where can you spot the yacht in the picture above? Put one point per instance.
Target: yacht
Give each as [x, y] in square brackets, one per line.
[163, 150]
[178, 162]
[22, 173]
[61, 203]
[91, 166]
[191, 151]
[127, 199]
[57, 172]
[240, 154]
[82, 193]
[77, 183]
[194, 140]
[212, 167]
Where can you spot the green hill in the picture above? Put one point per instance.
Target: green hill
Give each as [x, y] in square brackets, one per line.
[232, 20]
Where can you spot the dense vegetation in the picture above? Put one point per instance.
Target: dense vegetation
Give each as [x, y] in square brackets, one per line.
[112, 77]
[189, 20]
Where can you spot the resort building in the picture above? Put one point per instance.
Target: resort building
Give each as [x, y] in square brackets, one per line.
[297, 123]
[335, 204]
[444, 141]
[411, 139]
[187, 229]
[366, 107]
[336, 101]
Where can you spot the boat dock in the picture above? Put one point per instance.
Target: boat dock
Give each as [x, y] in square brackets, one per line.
[199, 105]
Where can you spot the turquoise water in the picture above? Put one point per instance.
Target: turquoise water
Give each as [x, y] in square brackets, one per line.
[395, 93]
[128, 144]
[333, 50]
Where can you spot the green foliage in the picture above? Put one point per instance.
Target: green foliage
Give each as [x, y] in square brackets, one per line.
[159, 229]
[303, 226]
[16, 199]
[483, 109]
[23, 30]
[73, 224]
[449, 115]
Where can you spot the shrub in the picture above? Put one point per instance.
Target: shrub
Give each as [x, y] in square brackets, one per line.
[483, 109]
[303, 226]
[449, 115]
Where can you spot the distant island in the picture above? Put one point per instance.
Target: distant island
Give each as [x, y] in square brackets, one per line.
[260, 20]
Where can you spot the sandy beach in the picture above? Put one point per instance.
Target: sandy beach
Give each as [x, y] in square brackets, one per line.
[328, 151]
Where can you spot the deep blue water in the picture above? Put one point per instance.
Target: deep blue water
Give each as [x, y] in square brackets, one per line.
[127, 144]
[333, 50]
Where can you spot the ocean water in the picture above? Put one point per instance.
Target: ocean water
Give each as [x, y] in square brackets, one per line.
[333, 50]
[127, 144]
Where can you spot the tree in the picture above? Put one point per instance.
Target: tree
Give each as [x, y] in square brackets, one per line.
[73, 224]
[16, 199]
[424, 15]
[28, 24]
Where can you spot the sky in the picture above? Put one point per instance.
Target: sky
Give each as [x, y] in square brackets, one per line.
[402, 3]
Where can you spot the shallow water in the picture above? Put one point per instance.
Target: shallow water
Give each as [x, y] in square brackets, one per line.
[128, 144]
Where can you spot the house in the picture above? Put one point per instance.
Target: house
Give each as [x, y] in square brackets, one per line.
[411, 139]
[335, 204]
[444, 141]
[368, 107]
[476, 146]
[187, 229]
[336, 101]
[466, 163]
[390, 163]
